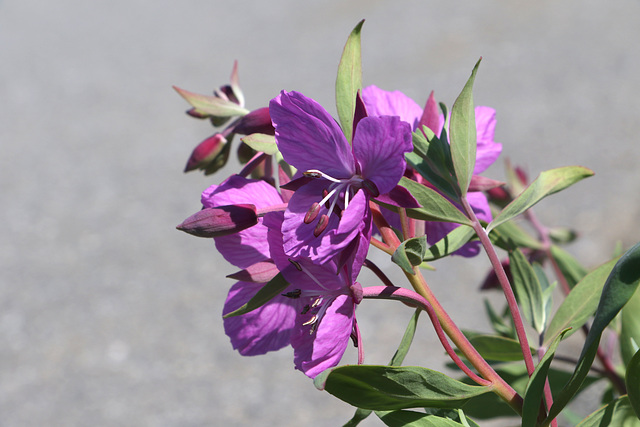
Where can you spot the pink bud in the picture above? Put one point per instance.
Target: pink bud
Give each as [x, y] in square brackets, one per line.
[205, 152]
[220, 221]
[257, 121]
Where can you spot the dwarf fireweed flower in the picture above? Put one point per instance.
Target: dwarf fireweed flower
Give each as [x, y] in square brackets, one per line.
[326, 302]
[330, 207]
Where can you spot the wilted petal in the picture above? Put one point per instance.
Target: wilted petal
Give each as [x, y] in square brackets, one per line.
[308, 137]
[379, 146]
[267, 328]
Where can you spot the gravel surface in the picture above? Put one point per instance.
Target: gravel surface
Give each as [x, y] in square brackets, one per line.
[111, 317]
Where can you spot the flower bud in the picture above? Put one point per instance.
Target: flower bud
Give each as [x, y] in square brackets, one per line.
[220, 221]
[257, 121]
[205, 152]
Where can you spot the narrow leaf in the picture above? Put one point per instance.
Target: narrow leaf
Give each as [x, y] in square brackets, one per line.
[358, 416]
[571, 269]
[630, 328]
[615, 414]
[395, 387]
[632, 380]
[618, 289]
[435, 207]
[450, 243]
[462, 132]
[264, 295]
[406, 341]
[580, 304]
[414, 419]
[527, 289]
[497, 348]
[547, 183]
[535, 387]
[212, 105]
[410, 253]
[261, 142]
[349, 80]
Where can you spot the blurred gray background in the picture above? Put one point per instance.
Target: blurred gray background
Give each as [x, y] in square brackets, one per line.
[111, 317]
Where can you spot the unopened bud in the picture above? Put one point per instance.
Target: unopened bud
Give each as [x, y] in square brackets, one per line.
[205, 152]
[220, 221]
[257, 121]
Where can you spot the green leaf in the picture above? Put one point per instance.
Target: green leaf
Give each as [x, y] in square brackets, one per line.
[580, 304]
[535, 387]
[498, 323]
[264, 295]
[630, 328]
[414, 419]
[571, 269]
[547, 183]
[349, 80]
[406, 341]
[619, 288]
[359, 415]
[618, 413]
[261, 142]
[450, 243]
[435, 207]
[528, 290]
[497, 348]
[410, 253]
[211, 105]
[462, 133]
[632, 380]
[509, 234]
[387, 388]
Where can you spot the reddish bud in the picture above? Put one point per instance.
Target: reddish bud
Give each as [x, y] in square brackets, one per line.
[220, 221]
[257, 121]
[482, 183]
[205, 152]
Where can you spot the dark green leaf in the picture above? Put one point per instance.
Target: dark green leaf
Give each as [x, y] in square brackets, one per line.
[462, 132]
[535, 387]
[414, 419]
[547, 183]
[618, 289]
[349, 80]
[618, 413]
[528, 290]
[407, 339]
[410, 253]
[580, 304]
[264, 295]
[630, 328]
[571, 269]
[498, 323]
[497, 348]
[508, 234]
[386, 388]
[632, 380]
[435, 207]
[359, 415]
[450, 243]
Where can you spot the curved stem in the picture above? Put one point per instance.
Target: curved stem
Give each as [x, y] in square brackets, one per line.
[376, 270]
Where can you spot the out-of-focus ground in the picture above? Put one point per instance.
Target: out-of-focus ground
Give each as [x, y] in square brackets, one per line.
[111, 317]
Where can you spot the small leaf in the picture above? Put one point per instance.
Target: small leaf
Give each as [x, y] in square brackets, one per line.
[263, 296]
[358, 416]
[632, 380]
[497, 348]
[406, 341]
[527, 289]
[547, 183]
[435, 207]
[450, 243]
[535, 386]
[414, 419]
[212, 105]
[571, 269]
[261, 142]
[349, 80]
[498, 323]
[619, 288]
[395, 387]
[509, 235]
[616, 414]
[462, 132]
[410, 253]
[580, 304]
[630, 328]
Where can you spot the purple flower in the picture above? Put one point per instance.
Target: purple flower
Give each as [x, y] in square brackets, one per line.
[381, 102]
[325, 320]
[331, 206]
[269, 327]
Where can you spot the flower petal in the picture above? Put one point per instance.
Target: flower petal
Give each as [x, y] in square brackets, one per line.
[488, 150]
[385, 103]
[308, 137]
[379, 146]
[322, 349]
[265, 329]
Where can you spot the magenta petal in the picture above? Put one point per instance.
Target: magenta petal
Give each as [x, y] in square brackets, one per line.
[323, 349]
[384, 103]
[400, 197]
[379, 146]
[488, 150]
[308, 137]
[265, 329]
